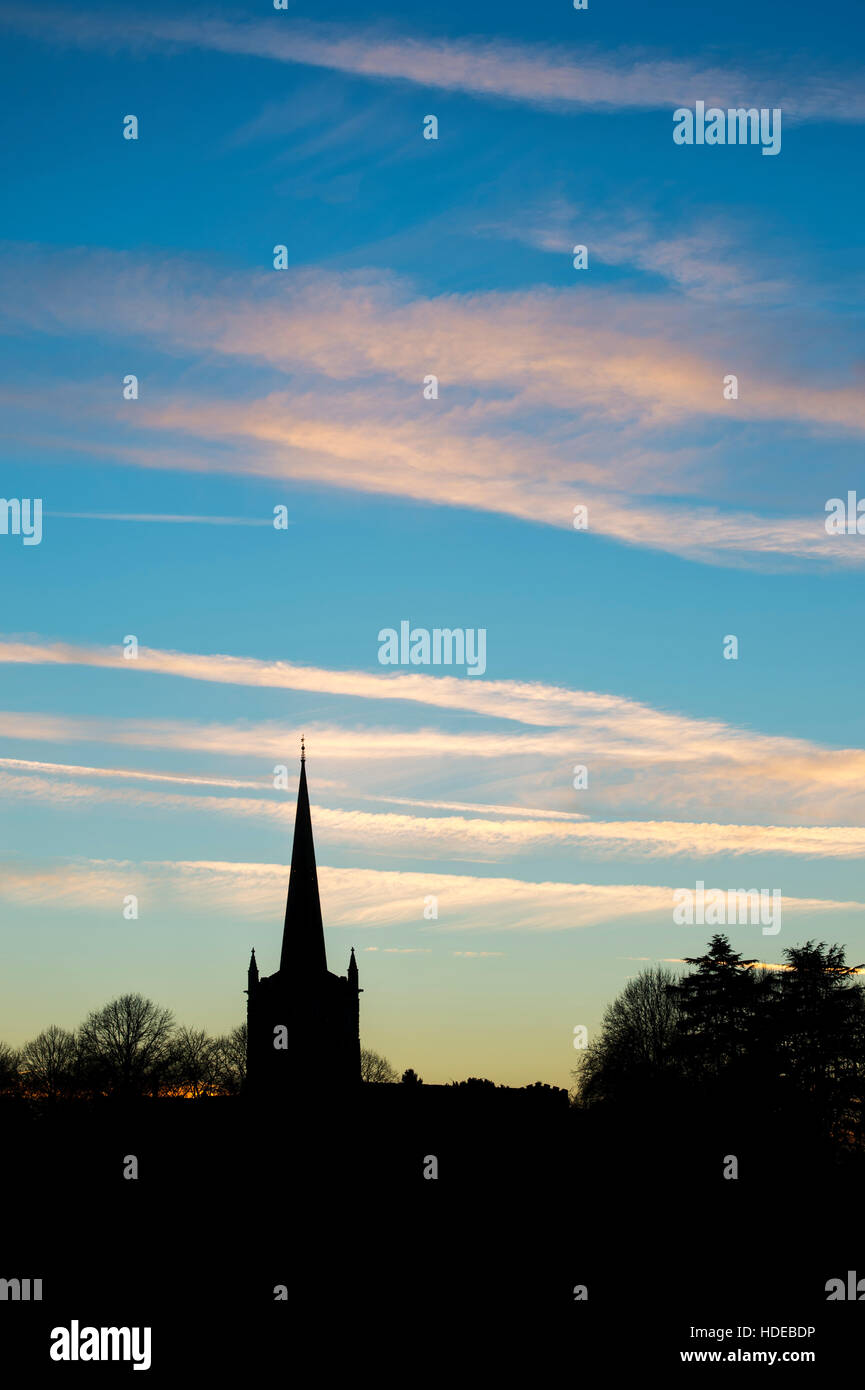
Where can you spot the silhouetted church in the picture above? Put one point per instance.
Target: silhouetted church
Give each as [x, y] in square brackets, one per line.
[303, 1022]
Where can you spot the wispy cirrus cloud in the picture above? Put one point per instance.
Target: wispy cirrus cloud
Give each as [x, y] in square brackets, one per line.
[265, 782]
[631, 355]
[483, 67]
[548, 400]
[361, 898]
[122, 774]
[468, 837]
[641, 756]
[526, 702]
[626, 725]
[708, 259]
[498, 474]
[163, 518]
[675, 762]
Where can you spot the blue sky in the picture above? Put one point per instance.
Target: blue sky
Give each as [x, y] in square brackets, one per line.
[302, 388]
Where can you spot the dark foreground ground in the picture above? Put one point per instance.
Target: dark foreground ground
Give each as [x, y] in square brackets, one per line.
[405, 1279]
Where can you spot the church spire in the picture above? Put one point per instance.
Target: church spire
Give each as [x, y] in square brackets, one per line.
[303, 950]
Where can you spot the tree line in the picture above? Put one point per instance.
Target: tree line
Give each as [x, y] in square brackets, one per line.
[130, 1047]
[735, 1033]
[133, 1047]
[377, 1069]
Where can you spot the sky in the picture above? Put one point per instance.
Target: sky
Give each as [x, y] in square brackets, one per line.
[298, 395]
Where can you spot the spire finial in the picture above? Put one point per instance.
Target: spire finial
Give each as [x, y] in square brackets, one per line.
[302, 749]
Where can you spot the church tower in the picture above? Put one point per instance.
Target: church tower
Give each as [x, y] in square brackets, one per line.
[303, 1022]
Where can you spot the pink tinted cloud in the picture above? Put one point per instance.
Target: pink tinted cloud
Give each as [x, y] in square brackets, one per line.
[568, 77]
[359, 898]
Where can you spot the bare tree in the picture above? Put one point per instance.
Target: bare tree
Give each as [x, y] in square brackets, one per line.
[373, 1067]
[230, 1061]
[9, 1063]
[48, 1063]
[194, 1064]
[125, 1047]
[636, 1042]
